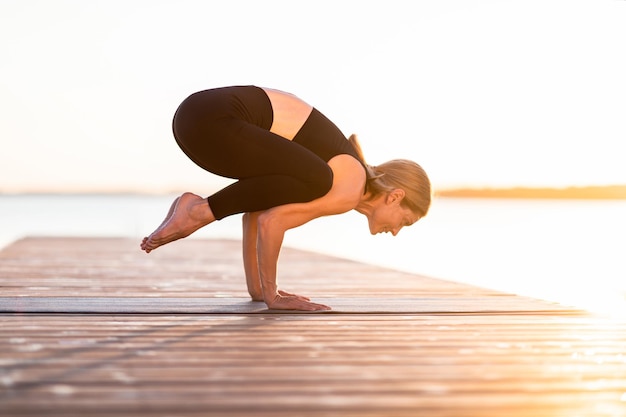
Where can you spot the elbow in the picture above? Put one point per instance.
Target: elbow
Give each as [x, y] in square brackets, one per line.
[267, 222]
[271, 230]
[322, 183]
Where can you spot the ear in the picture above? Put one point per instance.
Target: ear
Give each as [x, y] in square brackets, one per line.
[395, 196]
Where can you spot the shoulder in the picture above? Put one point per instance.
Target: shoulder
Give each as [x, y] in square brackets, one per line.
[348, 182]
[347, 165]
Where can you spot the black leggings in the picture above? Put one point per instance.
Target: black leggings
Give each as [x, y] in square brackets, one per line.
[226, 131]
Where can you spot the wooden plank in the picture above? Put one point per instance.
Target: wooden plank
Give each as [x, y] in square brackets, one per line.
[228, 305]
[248, 365]
[96, 267]
[207, 276]
[439, 349]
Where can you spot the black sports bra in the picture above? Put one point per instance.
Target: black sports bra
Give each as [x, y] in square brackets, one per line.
[323, 137]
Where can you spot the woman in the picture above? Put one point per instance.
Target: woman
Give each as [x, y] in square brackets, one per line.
[292, 165]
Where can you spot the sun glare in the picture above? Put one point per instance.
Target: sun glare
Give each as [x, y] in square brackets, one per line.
[605, 304]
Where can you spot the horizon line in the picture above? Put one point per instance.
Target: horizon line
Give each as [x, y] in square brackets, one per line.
[610, 191]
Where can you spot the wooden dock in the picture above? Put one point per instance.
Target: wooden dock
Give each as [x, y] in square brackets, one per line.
[95, 327]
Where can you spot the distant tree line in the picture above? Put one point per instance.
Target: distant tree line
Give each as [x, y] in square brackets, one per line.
[608, 192]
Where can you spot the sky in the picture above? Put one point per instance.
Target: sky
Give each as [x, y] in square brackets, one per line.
[480, 93]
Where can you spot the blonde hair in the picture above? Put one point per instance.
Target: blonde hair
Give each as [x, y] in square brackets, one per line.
[398, 173]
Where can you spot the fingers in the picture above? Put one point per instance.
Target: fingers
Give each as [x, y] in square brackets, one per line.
[294, 303]
[321, 307]
[309, 306]
[287, 294]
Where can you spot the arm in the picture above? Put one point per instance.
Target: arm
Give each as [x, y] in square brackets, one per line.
[250, 264]
[272, 226]
[348, 182]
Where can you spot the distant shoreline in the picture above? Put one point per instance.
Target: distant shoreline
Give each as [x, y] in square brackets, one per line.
[609, 192]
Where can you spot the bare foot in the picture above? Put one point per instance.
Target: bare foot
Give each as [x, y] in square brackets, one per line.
[167, 218]
[188, 213]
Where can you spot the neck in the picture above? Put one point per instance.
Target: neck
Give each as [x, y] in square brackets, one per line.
[366, 204]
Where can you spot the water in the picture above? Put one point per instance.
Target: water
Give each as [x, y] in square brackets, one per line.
[567, 251]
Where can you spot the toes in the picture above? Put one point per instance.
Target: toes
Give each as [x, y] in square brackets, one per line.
[147, 244]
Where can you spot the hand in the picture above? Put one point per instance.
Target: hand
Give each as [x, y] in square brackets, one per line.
[286, 301]
[287, 294]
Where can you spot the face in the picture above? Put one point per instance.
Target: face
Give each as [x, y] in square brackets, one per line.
[389, 215]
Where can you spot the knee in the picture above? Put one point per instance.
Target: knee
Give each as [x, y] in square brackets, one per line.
[321, 181]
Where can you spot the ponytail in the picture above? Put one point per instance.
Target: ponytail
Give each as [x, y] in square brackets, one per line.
[397, 173]
[370, 170]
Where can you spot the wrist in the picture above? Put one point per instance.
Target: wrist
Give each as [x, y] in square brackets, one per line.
[269, 299]
[270, 296]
